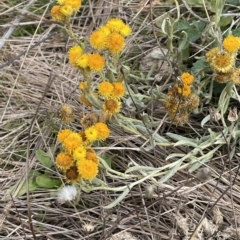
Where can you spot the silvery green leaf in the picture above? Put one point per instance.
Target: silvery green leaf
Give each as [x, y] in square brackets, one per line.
[232, 153]
[140, 168]
[185, 143]
[118, 200]
[205, 120]
[173, 155]
[196, 165]
[99, 182]
[171, 172]
[178, 137]
[220, 141]
[163, 141]
[44, 158]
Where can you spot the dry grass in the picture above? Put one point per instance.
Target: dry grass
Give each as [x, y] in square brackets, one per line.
[42, 78]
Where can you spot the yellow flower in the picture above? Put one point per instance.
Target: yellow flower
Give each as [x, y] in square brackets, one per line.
[91, 134]
[103, 130]
[82, 61]
[63, 134]
[115, 24]
[105, 89]
[61, 2]
[66, 10]
[184, 91]
[82, 85]
[235, 76]
[105, 29]
[98, 40]
[75, 4]
[231, 43]
[72, 175]
[211, 54]
[223, 62]
[56, 13]
[71, 142]
[87, 169]
[64, 161]
[112, 106]
[74, 53]
[92, 156]
[115, 42]
[118, 90]
[79, 153]
[96, 62]
[187, 78]
[125, 31]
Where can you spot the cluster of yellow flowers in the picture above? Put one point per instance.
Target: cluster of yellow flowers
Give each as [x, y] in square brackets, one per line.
[84, 61]
[111, 36]
[78, 160]
[108, 37]
[65, 9]
[223, 61]
[180, 101]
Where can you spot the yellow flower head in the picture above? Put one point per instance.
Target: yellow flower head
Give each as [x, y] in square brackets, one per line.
[125, 31]
[103, 130]
[63, 134]
[66, 10]
[82, 85]
[72, 141]
[223, 62]
[96, 62]
[187, 78]
[98, 39]
[231, 44]
[92, 156]
[64, 161]
[184, 91]
[82, 61]
[105, 89]
[74, 53]
[118, 90]
[211, 54]
[112, 106]
[79, 153]
[105, 29]
[75, 4]
[87, 169]
[115, 24]
[61, 2]
[235, 76]
[72, 175]
[56, 13]
[91, 134]
[115, 42]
